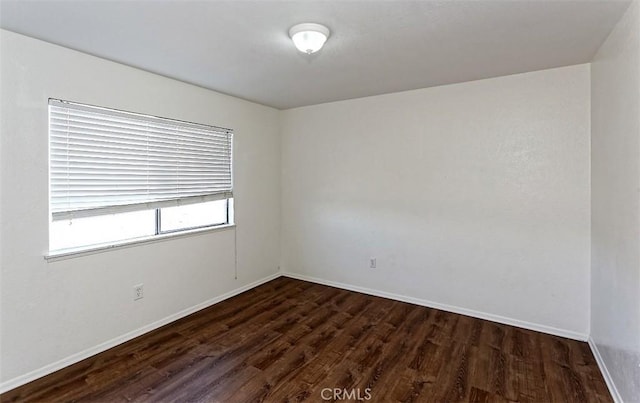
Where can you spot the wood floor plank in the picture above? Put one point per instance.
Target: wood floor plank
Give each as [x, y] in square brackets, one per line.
[294, 341]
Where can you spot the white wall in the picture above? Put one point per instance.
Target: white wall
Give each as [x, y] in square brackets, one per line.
[51, 311]
[615, 218]
[471, 196]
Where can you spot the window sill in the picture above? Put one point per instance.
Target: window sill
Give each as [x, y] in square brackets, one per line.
[90, 250]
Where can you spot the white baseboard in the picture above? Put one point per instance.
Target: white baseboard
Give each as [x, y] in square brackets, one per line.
[72, 359]
[605, 372]
[445, 307]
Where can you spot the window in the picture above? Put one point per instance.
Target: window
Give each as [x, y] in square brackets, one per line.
[116, 176]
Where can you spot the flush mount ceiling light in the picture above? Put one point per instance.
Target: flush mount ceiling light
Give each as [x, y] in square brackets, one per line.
[309, 37]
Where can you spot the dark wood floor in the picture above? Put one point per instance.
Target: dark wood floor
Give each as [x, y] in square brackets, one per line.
[289, 340]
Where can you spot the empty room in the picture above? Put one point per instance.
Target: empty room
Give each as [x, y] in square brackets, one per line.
[306, 200]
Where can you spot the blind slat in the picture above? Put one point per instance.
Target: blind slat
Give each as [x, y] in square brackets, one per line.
[105, 161]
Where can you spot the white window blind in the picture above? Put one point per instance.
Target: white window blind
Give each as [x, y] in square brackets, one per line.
[106, 161]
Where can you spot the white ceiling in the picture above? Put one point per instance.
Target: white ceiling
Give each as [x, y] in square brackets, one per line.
[242, 48]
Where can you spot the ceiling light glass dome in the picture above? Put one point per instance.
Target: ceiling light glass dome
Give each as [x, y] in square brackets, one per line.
[309, 37]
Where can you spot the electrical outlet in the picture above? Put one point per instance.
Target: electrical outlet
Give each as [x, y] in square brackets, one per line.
[373, 263]
[138, 292]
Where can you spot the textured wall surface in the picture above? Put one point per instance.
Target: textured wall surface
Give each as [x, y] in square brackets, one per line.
[472, 195]
[615, 218]
[51, 311]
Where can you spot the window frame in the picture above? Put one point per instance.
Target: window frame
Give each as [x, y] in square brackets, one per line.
[159, 234]
[70, 253]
